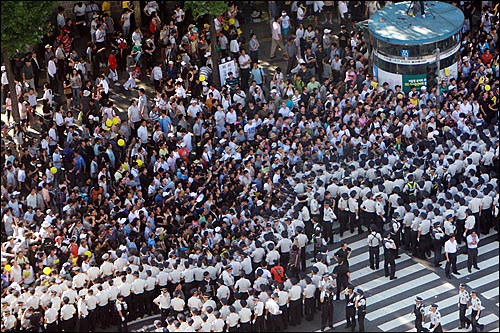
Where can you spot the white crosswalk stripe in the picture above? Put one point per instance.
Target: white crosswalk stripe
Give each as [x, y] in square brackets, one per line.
[425, 281]
[491, 293]
[405, 303]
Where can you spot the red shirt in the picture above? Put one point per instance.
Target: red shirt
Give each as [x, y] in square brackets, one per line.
[113, 64]
[278, 273]
[486, 58]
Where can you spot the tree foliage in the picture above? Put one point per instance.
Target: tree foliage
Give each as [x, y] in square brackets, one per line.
[213, 9]
[201, 8]
[24, 23]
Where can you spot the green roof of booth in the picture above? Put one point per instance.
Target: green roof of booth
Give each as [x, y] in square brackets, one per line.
[392, 23]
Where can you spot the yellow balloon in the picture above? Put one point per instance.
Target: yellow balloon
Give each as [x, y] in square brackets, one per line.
[56, 261]
[8, 267]
[116, 121]
[232, 21]
[47, 270]
[139, 162]
[239, 31]
[88, 253]
[121, 142]
[53, 170]
[26, 274]
[225, 27]
[74, 260]
[202, 78]
[487, 87]
[125, 166]
[109, 122]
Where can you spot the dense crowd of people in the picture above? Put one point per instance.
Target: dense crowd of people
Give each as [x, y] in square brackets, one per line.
[200, 201]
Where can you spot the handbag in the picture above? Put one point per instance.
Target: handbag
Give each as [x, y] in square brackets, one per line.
[67, 91]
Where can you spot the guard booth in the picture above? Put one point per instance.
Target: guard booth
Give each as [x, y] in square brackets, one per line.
[406, 46]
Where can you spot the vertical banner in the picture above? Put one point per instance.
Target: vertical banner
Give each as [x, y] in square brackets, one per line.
[226, 67]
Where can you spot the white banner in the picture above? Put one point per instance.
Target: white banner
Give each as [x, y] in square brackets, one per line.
[391, 78]
[226, 67]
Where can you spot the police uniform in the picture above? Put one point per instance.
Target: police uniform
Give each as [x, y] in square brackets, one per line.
[343, 209]
[374, 241]
[437, 235]
[295, 304]
[361, 307]
[435, 320]
[411, 189]
[475, 304]
[122, 311]
[396, 231]
[163, 302]
[419, 312]
[389, 258]
[326, 300]
[350, 310]
[309, 300]
[424, 235]
[463, 304]
[258, 315]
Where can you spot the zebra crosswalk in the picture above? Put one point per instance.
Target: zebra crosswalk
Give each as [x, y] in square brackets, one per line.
[390, 302]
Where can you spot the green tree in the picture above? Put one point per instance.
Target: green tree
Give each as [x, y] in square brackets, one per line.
[213, 9]
[23, 25]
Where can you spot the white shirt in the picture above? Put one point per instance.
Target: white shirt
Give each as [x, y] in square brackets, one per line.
[450, 247]
[157, 73]
[242, 59]
[472, 241]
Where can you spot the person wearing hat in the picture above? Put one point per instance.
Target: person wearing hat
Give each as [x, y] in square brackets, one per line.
[368, 210]
[273, 312]
[121, 308]
[258, 315]
[137, 293]
[163, 303]
[343, 209]
[475, 305]
[470, 223]
[9, 321]
[350, 310]
[326, 298]
[463, 305]
[419, 313]
[380, 211]
[423, 236]
[437, 236]
[450, 251]
[410, 189]
[389, 256]
[360, 305]
[329, 218]
[295, 301]
[396, 231]
[435, 317]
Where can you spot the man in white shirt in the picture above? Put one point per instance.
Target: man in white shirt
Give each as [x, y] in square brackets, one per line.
[276, 39]
[157, 76]
[472, 243]
[142, 133]
[450, 251]
[244, 61]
